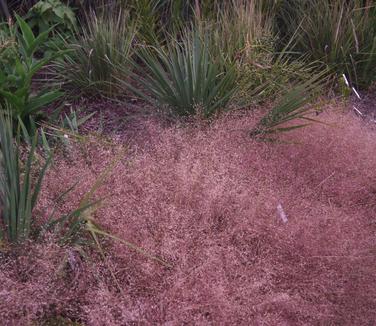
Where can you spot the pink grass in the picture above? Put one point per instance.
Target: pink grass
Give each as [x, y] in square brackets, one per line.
[204, 198]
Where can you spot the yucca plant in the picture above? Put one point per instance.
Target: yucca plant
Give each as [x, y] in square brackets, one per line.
[18, 192]
[99, 55]
[184, 77]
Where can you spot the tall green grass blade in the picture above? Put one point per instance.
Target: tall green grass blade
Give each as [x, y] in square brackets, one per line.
[18, 196]
[291, 107]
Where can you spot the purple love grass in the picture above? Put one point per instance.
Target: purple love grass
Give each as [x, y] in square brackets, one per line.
[204, 198]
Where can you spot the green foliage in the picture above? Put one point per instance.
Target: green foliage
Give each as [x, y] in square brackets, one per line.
[47, 13]
[99, 55]
[16, 78]
[185, 78]
[292, 106]
[8, 45]
[344, 87]
[158, 18]
[242, 34]
[56, 17]
[270, 74]
[238, 31]
[340, 34]
[65, 129]
[147, 16]
[72, 122]
[17, 194]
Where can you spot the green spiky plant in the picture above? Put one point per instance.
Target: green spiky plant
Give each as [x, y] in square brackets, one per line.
[99, 55]
[19, 194]
[184, 77]
[296, 105]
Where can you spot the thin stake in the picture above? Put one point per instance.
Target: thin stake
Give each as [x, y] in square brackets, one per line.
[356, 93]
[358, 111]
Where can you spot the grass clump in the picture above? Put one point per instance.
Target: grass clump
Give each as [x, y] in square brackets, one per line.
[242, 34]
[99, 54]
[184, 77]
[339, 34]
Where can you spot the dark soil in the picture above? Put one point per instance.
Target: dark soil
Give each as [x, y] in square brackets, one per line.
[366, 105]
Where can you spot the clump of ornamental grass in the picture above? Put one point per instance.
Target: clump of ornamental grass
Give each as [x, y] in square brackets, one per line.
[242, 34]
[100, 54]
[237, 29]
[183, 76]
[339, 34]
